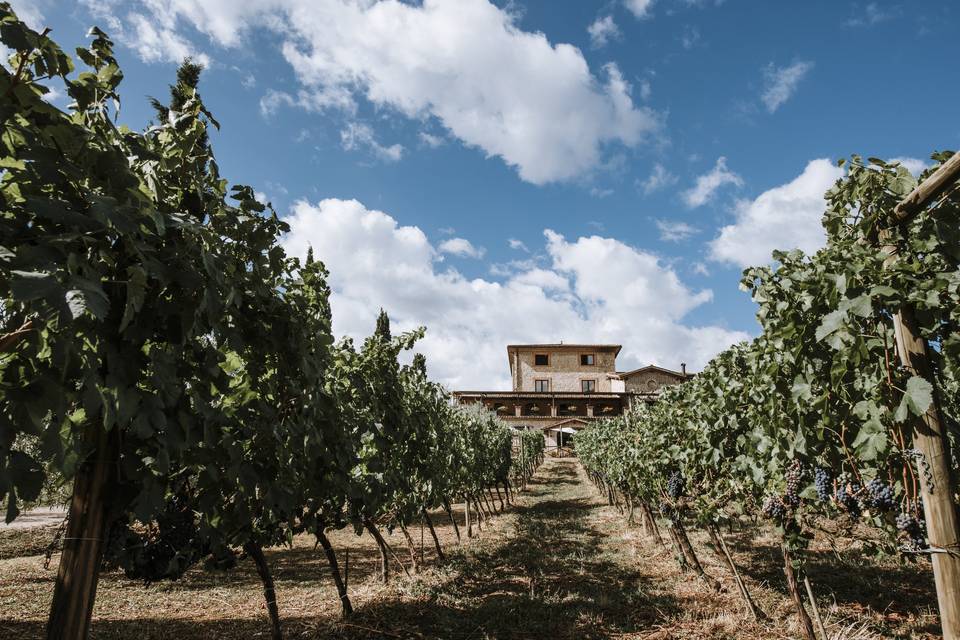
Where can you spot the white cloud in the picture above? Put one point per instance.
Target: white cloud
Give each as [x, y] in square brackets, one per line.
[700, 269]
[30, 12]
[431, 140]
[603, 30]
[590, 289]
[785, 217]
[870, 15]
[357, 135]
[597, 192]
[690, 37]
[658, 179]
[916, 166]
[272, 100]
[779, 83]
[646, 89]
[53, 94]
[510, 93]
[249, 81]
[542, 279]
[639, 8]
[675, 231]
[317, 100]
[148, 31]
[461, 247]
[155, 42]
[518, 244]
[707, 185]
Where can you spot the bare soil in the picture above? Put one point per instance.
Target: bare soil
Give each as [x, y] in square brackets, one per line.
[560, 564]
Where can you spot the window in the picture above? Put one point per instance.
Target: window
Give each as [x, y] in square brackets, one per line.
[588, 386]
[541, 359]
[586, 359]
[541, 385]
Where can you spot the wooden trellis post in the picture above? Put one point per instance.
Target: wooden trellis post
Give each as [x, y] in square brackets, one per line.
[929, 434]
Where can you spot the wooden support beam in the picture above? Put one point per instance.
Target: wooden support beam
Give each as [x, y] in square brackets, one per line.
[929, 432]
[932, 187]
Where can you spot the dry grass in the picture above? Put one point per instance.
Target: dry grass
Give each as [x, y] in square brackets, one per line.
[17, 543]
[561, 564]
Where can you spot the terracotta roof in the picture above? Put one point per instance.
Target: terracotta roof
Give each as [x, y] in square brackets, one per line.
[564, 345]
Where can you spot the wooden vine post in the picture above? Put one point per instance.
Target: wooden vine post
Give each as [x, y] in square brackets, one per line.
[929, 433]
[83, 544]
[793, 585]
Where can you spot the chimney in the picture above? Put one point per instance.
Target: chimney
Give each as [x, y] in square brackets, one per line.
[683, 369]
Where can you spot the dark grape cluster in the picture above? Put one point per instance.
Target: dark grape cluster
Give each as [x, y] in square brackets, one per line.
[880, 495]
[847, 493]
[912, 529]
[675, 485]
[162, 549]
[667, 510]
[823, 484]
[793, 477]
[773, 507]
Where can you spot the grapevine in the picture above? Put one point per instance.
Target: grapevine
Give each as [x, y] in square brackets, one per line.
[159, 347]
[811, 419]
[675, 485]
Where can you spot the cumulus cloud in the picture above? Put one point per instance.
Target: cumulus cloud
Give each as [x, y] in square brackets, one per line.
[639, 8]
[518, 244]
[658, 179]
[779, 83]
[508, 92]
[646, 89]
[316, 100]
[707, 185]
[785, 217]
[155, 42]
[358, 136]
[690, 37]
[145, 29]
[871, 14]
[915, 166]
[431, 140]
[675, 231]
[588, 289]
[53, 94]
[603, 30]
[598, 192]
[31, 12]
[461, 247]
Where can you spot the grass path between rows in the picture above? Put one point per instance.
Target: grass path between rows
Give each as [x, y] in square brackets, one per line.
[559, 564]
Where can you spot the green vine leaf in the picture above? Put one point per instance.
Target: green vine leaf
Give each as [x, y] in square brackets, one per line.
[918, 396]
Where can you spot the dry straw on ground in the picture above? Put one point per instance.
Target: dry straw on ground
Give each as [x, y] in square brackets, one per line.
[560, 564]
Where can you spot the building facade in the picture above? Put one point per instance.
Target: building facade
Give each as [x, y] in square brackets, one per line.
[561, 388]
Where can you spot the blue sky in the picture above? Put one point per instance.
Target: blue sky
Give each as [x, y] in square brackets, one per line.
[543, 171]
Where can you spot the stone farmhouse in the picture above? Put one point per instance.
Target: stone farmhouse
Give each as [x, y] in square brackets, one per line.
[560, 388]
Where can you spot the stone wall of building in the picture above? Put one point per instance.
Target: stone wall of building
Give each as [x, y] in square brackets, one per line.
[565, 371]
[649, 381]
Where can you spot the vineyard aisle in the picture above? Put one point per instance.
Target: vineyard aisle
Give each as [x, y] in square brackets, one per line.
[560, 564]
